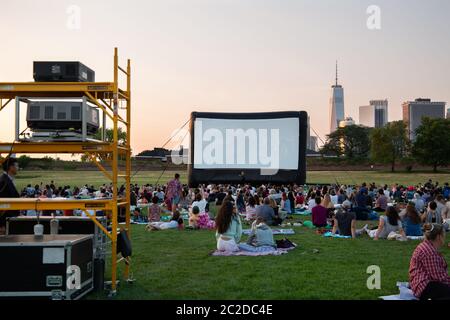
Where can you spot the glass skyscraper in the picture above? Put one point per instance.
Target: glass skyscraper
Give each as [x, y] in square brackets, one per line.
[337, 111]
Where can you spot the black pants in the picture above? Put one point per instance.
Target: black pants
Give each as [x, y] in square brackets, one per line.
[436, 291]
[276, 222]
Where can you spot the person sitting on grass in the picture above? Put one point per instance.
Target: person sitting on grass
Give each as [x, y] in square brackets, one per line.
[388, 223]
[299, 200]
[228, 228]
[418, 202]
[412, 222]
[137, 214]
[194, 218]
[345, 221]
[268, 214]
[319, 214]
[240, 203]
[154, 211]
[261, 234]
[432, 216]
[382, 202]
[428, 272]
[285, 203]
[175, 222]
[200, 202]
[250, 209]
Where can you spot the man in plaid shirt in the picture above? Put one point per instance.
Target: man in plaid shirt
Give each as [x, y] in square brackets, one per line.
[428, 273]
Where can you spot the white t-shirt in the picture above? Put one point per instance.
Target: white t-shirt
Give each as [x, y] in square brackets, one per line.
[311, 203]
[200, 204]
[334, 199]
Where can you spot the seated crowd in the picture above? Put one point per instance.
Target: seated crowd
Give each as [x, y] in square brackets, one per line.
[402, 212]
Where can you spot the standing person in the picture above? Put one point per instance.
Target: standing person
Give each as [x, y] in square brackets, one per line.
[441, 208]
[174, 192]
[428, 269]
[8, 189]
[228, 228]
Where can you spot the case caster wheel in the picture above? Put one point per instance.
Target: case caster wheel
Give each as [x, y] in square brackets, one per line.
[112, 294]
[131, 280]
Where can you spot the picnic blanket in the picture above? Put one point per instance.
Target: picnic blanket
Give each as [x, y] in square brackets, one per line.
[299, 212]
[338, 236]
[275, 232]
[415, 238]
[405, 293]
[250, 251]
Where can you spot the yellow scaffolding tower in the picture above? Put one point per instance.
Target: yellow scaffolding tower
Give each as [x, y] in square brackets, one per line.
[107, 96]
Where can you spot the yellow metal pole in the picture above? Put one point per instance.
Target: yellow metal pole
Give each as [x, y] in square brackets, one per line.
[99, 165]
[128, 161]
[94, 219]
[114, 181]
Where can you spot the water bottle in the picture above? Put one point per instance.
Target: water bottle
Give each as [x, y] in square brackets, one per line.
[38, 230]
[54, 226]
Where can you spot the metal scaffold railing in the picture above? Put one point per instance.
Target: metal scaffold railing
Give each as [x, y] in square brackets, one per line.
[110, 99]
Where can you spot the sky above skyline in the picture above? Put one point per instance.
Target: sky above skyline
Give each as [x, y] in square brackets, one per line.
[236, 55]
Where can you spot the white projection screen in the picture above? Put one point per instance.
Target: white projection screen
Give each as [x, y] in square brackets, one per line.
[248, 148]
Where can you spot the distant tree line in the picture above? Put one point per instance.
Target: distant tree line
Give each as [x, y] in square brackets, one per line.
[391, 144]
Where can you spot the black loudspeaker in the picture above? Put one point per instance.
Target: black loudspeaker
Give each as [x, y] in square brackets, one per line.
[62, 71]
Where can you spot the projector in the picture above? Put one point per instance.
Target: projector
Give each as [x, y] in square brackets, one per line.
[62, 115]
[65, 71]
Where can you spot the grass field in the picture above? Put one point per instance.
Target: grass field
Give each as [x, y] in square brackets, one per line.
[177, 265]
[96, 178]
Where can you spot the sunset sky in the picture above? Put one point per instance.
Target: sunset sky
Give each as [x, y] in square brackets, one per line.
[236, 55]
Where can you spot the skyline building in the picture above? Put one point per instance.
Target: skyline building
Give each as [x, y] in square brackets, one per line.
[313, 143]
[337, 110]
[414, 111]
[375, 115]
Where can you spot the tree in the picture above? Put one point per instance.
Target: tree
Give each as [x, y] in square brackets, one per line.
[390, 143]
[351, 142]
[24, 161]
[109, 136]
[432, 144]
[122, 135]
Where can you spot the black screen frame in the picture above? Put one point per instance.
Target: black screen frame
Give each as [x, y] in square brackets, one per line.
[252, 176]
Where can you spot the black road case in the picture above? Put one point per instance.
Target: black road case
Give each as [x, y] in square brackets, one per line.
[62, 71]
[39, 267]
[67, 225]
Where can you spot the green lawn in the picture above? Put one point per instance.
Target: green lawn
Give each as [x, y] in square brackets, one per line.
[177, 265]
[79, 178]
